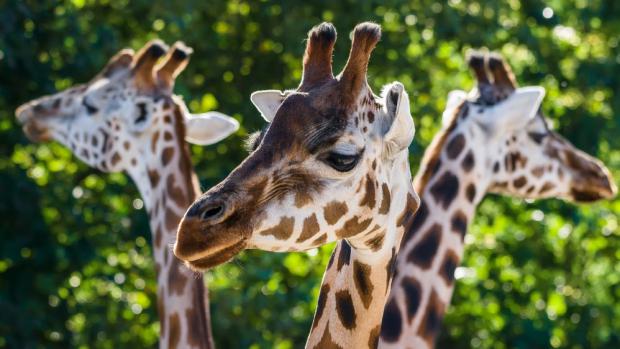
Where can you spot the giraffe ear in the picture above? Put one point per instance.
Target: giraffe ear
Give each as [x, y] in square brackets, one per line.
[209, 128]
[267, 102]
[519, 109]
[398, 125]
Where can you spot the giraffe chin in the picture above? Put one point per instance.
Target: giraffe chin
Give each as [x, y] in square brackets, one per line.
[220, 257]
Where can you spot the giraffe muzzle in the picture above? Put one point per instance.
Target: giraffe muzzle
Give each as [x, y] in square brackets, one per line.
[210, 233]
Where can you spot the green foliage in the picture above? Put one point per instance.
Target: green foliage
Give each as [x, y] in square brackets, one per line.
[75, 266]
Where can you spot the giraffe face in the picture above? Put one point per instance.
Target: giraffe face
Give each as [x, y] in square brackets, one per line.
[523, 157]
[323, 171]
[512, 148]
[111, 121]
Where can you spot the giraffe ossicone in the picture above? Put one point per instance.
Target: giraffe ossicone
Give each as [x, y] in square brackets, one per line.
[332, 166]
[127, 119]
[494, 139]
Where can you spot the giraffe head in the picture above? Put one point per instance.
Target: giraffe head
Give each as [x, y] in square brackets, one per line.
[325, 169]
[114, 119]
[527, 158]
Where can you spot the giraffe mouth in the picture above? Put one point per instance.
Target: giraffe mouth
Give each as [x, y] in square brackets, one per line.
[215, 258]
[35, 132]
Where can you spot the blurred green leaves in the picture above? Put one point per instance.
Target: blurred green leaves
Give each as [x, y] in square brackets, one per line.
[75, 266]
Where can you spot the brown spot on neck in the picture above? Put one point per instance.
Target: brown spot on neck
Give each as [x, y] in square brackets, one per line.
[177, 280]
[423, 254]
[363, 283]
[431, 322]
[327, 342]
[174, 335]
[433, 153]
[346, 309]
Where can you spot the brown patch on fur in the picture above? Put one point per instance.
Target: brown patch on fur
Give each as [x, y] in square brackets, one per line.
[154, 140]
[432, 155]
[373, 339]
[344, 255]
[468, 161]
[431, 322]
[458, 223]
[519, 182]
[448, 265]
[455, 146]
[166, 155]
[158, 236]
[175, 193]
[538, 171]
[176, 279]
[320, 240]
[175, 331]
[282, 230]
[172, 220]
[408, 213]
[153, 177]
[413, 296]
[195, 331]
[369, 195]
[353, 227]
[346, 309]
[333, 211]
[546, 187]
[326, 341]
[386, 200]
[424, 252]
[513, 160]
[167, 136]
[161, 311]
[445, 189]
[320, 307]
[361, 276]
[115, 159]
[310, 228]
[470, 192]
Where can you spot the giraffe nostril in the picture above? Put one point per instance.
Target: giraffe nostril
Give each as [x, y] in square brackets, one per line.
[213, 211]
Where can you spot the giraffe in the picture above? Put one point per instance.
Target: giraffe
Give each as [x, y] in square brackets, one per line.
[127, 119]
[332, 166]
[494, 139]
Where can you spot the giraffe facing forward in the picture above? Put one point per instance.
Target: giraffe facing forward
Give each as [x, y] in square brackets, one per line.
[495, 139]
[332, 166]
[127, 119]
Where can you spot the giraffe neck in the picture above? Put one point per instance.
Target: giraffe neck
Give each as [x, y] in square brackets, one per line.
[451, 185]
[168, 186]
[357, 279]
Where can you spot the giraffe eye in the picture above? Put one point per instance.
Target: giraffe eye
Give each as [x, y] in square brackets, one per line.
[142, 113]
[90, 109]
[342, 162]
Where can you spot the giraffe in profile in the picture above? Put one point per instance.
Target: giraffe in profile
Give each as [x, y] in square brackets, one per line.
[127, 119]
[494, 140]
[332, 166]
